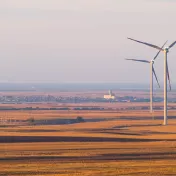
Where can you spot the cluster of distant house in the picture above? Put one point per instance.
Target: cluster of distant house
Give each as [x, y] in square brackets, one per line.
[14, 99]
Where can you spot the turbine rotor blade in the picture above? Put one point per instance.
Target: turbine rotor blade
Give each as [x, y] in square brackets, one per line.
[138, 60]
[168, 75]
[159, 51]
[148, 44]
[155, 76]
[172, 44]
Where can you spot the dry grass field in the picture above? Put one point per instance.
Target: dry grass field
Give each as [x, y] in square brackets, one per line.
[109, 143]
[129, 146]
[88, 114]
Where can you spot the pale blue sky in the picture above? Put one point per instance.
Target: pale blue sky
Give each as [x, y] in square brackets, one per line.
[83, 40]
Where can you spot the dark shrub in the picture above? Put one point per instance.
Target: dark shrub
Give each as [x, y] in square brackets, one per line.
[80, 119]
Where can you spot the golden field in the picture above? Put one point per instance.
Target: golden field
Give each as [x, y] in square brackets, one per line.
[110, 143]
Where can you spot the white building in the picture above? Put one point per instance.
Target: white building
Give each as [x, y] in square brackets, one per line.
[110, 96]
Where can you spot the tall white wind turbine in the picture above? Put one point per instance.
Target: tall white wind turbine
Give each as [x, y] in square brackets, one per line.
[152, 72]
[166, 71]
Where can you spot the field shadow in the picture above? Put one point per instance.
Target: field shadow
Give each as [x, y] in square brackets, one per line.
[27, 139]
[136, 125]
[64, 121]
[127, 132]
[111, 131]
[101, 157]
[32, 173]
[145, 118]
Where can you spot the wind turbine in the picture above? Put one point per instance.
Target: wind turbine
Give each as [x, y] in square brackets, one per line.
[152, 72]
[166, 71]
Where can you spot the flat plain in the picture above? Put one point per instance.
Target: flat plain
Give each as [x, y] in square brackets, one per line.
[109, 143]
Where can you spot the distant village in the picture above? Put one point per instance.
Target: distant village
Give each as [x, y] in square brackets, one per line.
[109, 97]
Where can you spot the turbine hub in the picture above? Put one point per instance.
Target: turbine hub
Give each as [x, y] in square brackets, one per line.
[152, 61]
[166, 49]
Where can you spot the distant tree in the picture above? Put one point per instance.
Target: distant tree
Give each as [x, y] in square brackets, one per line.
[80, 119]
[28, 108]
[31, 120]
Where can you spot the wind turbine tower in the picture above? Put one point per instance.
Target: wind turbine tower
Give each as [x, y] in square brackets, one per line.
[166, 72]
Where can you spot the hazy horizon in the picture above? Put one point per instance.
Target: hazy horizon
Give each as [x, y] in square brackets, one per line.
[84, 41]
[6, 87]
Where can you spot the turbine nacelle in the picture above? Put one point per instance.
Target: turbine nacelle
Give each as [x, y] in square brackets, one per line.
[166, 49]
[152, 61]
